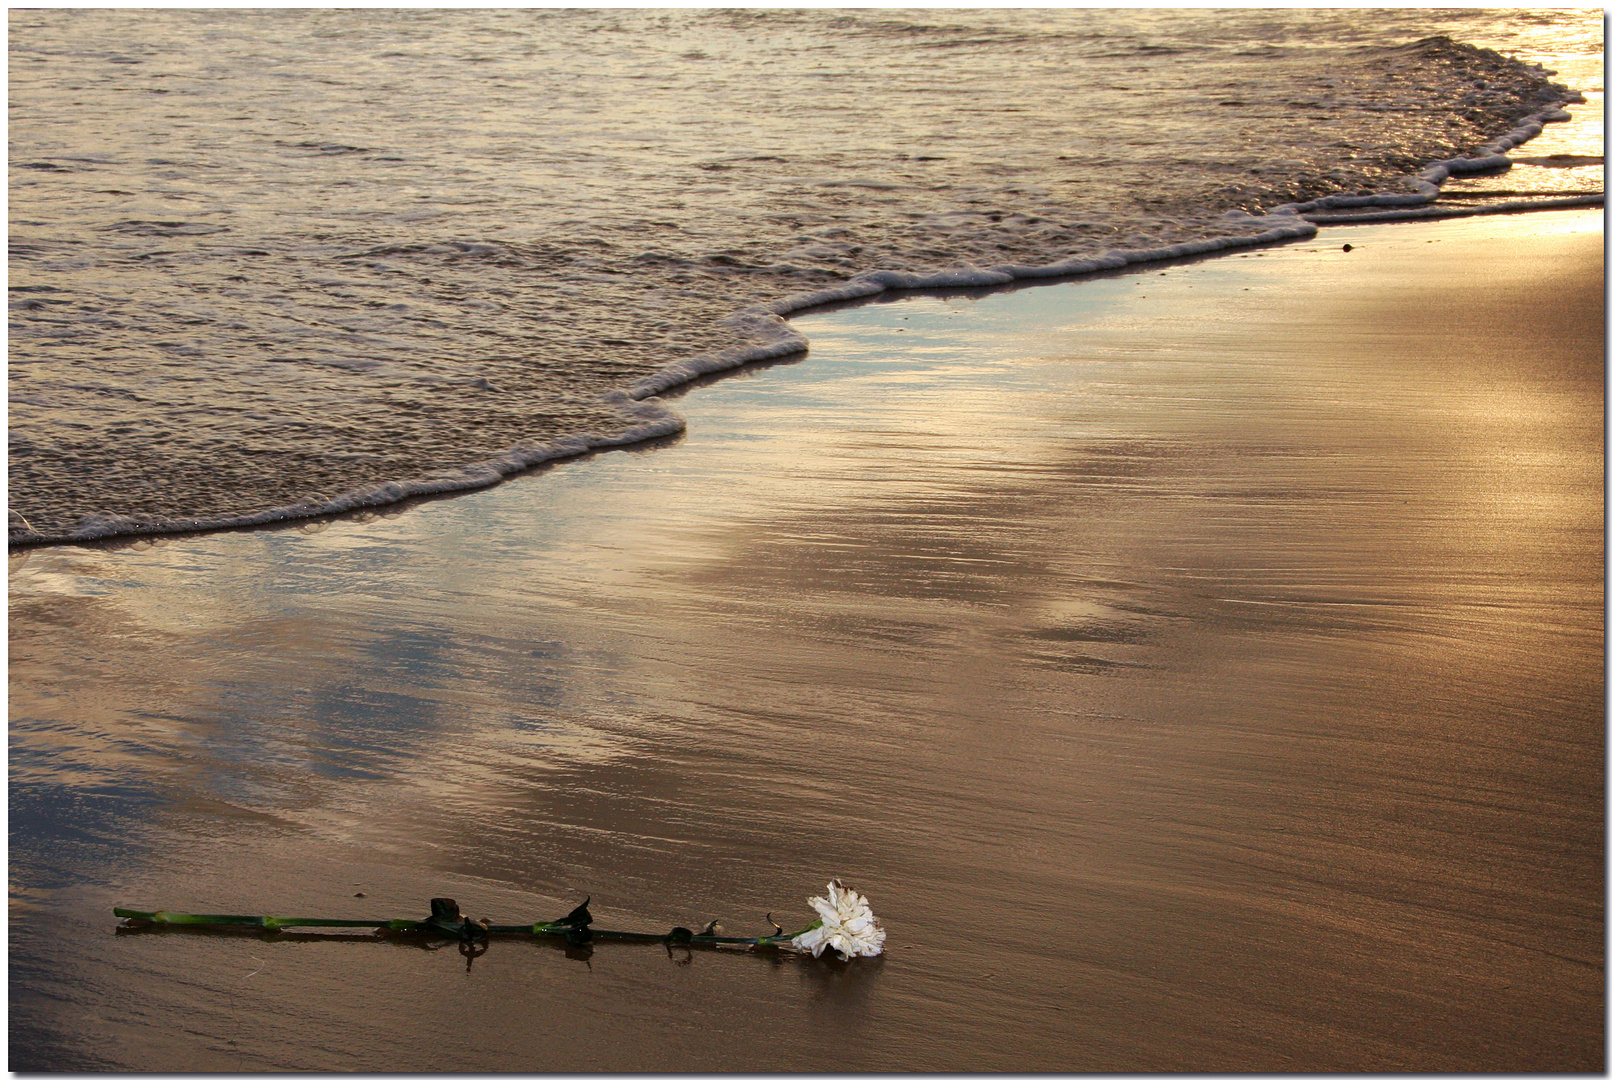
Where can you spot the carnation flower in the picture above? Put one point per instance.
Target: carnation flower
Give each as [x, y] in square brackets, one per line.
[846, 924]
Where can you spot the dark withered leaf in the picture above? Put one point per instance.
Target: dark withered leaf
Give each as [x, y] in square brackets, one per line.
[579, 915]
[680, 935]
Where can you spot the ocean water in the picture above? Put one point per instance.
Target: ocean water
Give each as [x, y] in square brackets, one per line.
[272, 263]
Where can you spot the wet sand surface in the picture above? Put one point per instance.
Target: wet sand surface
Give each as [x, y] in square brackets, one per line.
[1199, 669]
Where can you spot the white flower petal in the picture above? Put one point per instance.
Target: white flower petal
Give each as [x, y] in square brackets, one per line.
[848, 925]
[812, 941]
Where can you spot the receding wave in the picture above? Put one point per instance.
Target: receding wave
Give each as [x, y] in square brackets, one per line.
[276, 264]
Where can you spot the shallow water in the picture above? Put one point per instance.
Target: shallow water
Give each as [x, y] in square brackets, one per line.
[1199, 670]
[269, 258]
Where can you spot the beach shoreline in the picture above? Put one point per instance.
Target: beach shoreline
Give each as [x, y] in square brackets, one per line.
[250, 430]
[661, 426]
[1198, 668]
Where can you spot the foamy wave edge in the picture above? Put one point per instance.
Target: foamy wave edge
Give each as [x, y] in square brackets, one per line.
[768, 336]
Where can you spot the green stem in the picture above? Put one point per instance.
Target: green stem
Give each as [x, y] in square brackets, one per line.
[539, 929]
[267, 922]
[558, 930]
[776, 938]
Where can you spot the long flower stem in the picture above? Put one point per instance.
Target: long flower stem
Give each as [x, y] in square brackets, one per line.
[539, 929]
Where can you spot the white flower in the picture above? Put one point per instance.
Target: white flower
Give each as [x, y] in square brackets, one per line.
[846, 925]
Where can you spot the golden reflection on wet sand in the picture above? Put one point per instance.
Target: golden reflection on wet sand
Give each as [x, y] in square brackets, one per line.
[1195, 678]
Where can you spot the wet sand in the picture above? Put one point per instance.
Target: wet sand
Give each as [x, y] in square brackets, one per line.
[1199, 669]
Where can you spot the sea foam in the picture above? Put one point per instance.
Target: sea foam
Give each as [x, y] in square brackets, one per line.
[424, 270]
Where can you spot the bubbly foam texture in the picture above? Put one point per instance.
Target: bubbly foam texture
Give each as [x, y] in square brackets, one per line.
[270, 264]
